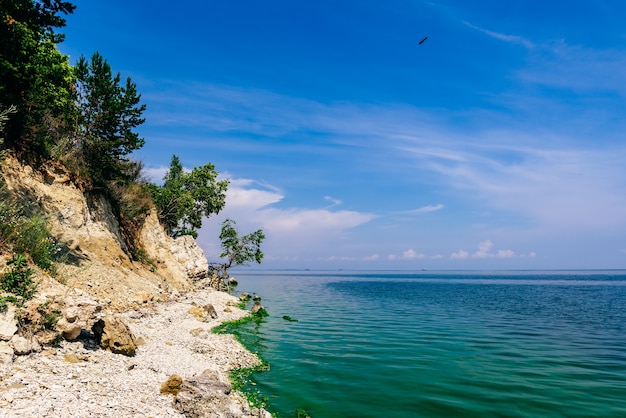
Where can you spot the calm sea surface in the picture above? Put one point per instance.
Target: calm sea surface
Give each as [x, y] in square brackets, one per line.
[441, 344]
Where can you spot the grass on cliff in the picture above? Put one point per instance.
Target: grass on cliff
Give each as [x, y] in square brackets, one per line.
[23, 230]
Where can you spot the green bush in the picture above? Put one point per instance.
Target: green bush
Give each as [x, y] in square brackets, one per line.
[22, 230]
[17, 280]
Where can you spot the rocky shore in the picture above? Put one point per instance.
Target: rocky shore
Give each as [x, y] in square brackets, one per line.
[80, 379]
[108, 336]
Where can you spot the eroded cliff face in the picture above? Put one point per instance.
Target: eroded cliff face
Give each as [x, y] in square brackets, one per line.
[97, 261]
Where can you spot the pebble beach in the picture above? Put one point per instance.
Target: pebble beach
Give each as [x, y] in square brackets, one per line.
[79, 379]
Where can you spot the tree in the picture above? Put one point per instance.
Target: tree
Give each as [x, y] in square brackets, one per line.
[34, 76]
[239, 250]
[108, 115]
[185, 198]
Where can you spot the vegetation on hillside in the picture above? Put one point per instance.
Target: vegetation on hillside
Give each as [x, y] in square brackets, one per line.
[86, 117]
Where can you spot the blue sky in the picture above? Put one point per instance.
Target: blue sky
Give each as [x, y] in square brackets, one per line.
[498, 143]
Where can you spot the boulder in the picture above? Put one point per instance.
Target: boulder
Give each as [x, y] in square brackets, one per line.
[80, 313]
[203, 396]
[114, 335]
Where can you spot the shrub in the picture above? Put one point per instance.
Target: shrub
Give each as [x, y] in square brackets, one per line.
[23, 230]
[17, 280]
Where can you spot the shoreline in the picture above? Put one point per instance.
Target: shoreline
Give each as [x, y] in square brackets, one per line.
[79, 379]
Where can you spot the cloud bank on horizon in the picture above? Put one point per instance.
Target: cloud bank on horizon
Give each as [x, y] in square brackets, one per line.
[498, 143]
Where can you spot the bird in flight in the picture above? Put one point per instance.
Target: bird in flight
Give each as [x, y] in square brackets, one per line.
[423, 40]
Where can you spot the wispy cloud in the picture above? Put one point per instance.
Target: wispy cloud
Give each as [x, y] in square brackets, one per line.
[544, 175]
[426, 209]
[333, 201]
[513, 39]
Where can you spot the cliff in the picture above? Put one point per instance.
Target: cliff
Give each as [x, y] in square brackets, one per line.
[98, 262]
[124, 324]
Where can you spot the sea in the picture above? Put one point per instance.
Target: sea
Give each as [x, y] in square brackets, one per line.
[439, 344]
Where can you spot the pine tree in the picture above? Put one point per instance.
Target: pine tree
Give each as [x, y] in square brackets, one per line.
[108, 115]
[34, 76]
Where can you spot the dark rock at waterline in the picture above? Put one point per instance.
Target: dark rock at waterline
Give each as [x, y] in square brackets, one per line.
[290, 319]
[232, 281]
[244, 297]
[257, 308]
[256, 298]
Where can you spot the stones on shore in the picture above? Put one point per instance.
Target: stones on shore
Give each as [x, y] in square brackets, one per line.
[205, 313]
[78, 378]
[172, 385]
[258, 309]
[115, 336]
[204, 396]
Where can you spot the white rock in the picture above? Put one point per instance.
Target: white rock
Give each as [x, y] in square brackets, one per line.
[8, 324]
[23, 346]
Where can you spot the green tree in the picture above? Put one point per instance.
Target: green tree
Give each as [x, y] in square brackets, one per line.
[185, 198]
[240, 250]
[34, 76]
[108, 114]
[237, 251]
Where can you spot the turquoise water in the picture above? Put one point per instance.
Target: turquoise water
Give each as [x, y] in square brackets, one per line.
[424, 344]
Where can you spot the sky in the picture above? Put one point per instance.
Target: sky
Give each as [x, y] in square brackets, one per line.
[497, 143]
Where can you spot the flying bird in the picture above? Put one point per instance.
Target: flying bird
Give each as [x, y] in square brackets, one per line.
[423, 40]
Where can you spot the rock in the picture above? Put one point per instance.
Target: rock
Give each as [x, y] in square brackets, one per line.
[71, 358]
[232, 281]
[6, 353]
[115, 336]
[23, 346]
[257, 308]
[256, 298]
[199, 332]
[47, 337]
[172, 385]
[8, 324]
[203, 396]
[204, 314]
[80, 313]
[244, 297]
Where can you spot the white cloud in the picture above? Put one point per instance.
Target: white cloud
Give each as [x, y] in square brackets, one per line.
[246, 195]
[460, 255]
[289, 231]
[505, 254]
[484, 249]
[427, 209]
[155, 174]
[412, 255]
